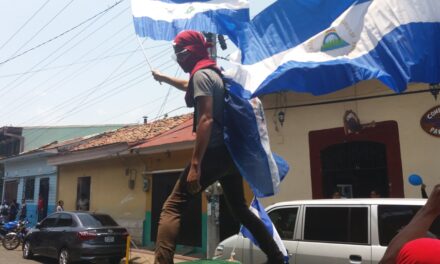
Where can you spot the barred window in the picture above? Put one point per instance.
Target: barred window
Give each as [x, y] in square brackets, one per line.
[29, 188]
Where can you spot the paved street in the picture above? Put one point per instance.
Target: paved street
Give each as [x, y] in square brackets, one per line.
[14, 257]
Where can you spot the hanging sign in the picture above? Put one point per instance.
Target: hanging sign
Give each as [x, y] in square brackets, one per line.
[430, 121]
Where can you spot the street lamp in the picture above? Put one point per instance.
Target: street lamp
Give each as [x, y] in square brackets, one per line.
[435, 89]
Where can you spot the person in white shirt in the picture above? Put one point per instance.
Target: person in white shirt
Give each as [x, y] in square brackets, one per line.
[60, 206]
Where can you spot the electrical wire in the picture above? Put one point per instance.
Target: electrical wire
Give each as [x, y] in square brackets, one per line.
[64, 80]
[73, 63]
[13, 56]
[100, 98]
[56, 85]
[58, 36]
[59, 48]
[25, 23]
[74, 45]
[112, 92]
[67, 102]
[121, 86]
[162, 107]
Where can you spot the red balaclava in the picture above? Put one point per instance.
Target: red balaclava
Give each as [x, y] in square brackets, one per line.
[420, 251]
[198, 57]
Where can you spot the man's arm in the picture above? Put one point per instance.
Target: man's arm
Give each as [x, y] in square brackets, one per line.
[180, 84]
[417, 228]
[204, 126]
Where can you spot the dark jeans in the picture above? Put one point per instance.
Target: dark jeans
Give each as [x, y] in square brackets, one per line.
[216, 165]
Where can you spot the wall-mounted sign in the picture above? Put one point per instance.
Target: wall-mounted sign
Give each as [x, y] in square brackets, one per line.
[430, 121]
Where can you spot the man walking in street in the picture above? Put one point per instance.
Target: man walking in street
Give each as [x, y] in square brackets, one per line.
[210, 160]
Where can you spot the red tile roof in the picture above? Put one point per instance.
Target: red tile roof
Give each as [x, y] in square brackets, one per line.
[181, 133]
[132, 135]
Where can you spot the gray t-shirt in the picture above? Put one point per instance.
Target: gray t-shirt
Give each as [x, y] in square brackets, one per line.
[206, 82]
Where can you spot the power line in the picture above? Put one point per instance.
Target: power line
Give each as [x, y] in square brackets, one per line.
[64, 80]
[49, 56]
[134, 108]
[115, 91]
[60, 35]
[25, 23]
[75, 63]
[162, 107]
[59, 48]
[74, 111]
[110, 93]
[38, 32]
[80, 95]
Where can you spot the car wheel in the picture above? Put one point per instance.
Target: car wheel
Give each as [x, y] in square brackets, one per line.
[27, 253]
[114, 260]
[64, 256]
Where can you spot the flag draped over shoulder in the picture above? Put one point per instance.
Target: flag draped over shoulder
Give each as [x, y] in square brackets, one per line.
[247, 140]
[321, 46]
[259, 211]
[164, 19]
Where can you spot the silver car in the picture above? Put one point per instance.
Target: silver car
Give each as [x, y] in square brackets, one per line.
[331, 231]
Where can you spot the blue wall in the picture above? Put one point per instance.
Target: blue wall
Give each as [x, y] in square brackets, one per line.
[33, 166]
[32, 215]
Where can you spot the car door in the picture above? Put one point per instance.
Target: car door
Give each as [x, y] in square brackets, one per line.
[335, 234]
[58, 235]
[284, 220]
[40, 239]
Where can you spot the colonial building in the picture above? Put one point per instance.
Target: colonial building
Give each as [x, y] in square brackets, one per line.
[26, 174]
[356, 140]
[129, 173]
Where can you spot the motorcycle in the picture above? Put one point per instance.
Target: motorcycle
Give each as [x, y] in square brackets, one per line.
[6, 227]
[14, 237]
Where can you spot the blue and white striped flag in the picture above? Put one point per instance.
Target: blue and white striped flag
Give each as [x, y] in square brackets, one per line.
[247, 140]
[259, 211]
[322, 46]
[164, 19]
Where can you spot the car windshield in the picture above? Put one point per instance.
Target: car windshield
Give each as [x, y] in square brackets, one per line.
[96, 220]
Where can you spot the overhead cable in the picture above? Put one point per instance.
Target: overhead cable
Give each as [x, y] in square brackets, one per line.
[13, 56]
[58, 36]
[60, 55]
[25, 23]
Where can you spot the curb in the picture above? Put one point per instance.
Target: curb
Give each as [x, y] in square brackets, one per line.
[151, 253]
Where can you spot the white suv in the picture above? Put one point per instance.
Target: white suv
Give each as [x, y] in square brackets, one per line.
[331, 231]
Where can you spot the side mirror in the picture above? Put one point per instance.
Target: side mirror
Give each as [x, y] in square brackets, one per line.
[38, 225]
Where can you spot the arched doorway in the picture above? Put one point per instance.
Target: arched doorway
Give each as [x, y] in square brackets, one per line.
[368, 150]
[355, 169]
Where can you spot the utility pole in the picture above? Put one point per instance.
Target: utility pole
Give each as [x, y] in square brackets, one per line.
[214, 191]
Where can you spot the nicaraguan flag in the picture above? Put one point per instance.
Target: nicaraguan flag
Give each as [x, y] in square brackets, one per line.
[247, 140]
[321, 46]
[259, 211]
[164, 19]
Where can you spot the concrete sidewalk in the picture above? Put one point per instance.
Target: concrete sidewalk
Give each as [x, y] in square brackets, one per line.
[138, 256]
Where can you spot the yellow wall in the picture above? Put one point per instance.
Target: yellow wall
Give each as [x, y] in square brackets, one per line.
[419, 151]
[109, 185]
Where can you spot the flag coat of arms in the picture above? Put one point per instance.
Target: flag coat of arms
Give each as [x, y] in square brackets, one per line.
[322, 46]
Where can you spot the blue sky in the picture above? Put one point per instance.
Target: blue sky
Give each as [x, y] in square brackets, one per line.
[94, 74]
